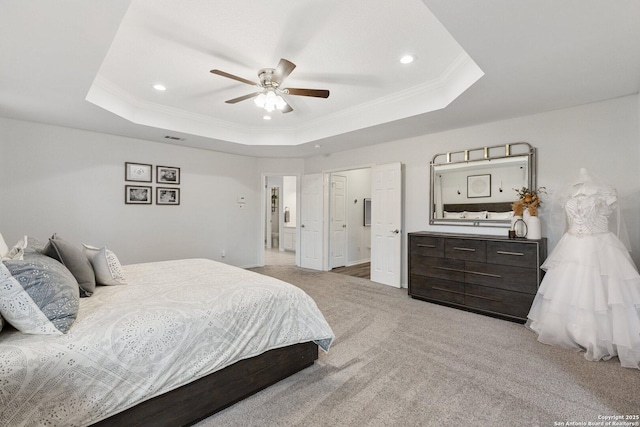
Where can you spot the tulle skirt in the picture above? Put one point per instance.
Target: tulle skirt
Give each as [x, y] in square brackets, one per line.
[589, 299]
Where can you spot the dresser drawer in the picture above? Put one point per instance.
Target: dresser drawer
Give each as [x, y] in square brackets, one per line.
[506, 277]
[513, 253]
[437, 289]
[463, 249]
[500, 301]
[427, 245]
[441, 268]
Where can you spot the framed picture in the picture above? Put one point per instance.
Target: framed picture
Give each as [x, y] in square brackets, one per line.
[367, 212]
[479, 186]
[137, 195]
[167, 196]
[167, 175]
[137, 172]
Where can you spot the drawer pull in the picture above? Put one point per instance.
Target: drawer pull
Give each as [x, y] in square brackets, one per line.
[458, 270]
[436, 288]
[421, 245]
[510, 253]
[481, 297]
[463, 249]
[497, 276]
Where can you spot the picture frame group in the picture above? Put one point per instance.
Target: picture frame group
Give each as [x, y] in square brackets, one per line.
[143, 194]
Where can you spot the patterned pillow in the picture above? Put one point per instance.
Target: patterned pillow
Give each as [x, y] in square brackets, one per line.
[38, 295]
[77, 263]
[105, 265]
[475, 215]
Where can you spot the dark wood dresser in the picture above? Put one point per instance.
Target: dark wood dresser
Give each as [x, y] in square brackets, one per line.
[487, 274]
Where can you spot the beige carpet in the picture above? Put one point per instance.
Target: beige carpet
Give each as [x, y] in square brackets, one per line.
[403, 362]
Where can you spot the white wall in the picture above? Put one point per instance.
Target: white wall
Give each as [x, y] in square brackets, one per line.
[71, 182]
[602, 136]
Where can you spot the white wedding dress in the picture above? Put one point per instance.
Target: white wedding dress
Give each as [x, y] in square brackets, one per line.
[589, 299]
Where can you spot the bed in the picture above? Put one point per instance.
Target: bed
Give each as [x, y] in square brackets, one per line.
[180, 341]
[493, 210]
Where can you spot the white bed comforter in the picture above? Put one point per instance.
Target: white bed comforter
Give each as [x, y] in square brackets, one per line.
[174, 322]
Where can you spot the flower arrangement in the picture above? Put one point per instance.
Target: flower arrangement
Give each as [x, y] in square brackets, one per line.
[527, 199]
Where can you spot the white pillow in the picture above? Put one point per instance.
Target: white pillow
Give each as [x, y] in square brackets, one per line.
[17, 252]
[475, 215]
[499, 215]
[105, 265]
[3, 247]
[453, 215]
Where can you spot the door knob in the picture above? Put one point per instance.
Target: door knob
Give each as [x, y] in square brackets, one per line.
[396, 231]
[302, 226]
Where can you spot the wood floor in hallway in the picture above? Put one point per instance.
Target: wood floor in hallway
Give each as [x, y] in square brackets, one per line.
[359, 270]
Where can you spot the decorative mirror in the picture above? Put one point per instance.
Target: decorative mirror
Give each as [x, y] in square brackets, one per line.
[476, 187]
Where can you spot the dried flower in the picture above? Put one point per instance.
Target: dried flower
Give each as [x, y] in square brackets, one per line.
[528, 199]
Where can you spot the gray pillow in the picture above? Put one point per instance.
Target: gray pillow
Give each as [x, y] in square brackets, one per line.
[77, 263]
[38, 295]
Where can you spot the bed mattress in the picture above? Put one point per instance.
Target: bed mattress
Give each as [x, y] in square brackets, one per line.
[174, 322]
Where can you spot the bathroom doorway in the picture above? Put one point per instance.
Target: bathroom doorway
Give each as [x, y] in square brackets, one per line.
[280, 208]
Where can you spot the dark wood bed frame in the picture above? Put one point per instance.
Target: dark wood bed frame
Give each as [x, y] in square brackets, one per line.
[195, 401]
[474, 207]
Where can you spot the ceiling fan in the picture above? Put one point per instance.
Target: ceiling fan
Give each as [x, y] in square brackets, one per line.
[270, 87]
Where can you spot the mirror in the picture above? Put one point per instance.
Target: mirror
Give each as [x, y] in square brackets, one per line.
[476, 187]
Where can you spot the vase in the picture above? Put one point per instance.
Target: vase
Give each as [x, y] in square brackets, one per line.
[518, 226]
[534, 229]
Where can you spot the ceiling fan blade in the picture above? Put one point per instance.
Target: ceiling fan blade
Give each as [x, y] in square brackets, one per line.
[318, 93]
[231, 76]
[287, 108]
[283, 70]
[242, 98]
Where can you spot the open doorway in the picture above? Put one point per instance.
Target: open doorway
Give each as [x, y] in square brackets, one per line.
[349, 232]
[280, 212]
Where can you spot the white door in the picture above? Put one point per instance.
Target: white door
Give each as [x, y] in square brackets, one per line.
[311, 195]
[338, 221]
[386, 218]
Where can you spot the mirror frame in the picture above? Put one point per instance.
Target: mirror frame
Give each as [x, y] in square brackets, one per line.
[513, 150]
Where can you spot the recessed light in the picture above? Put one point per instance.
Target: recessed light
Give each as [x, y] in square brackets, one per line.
[158, 86]
[266, 117]
[407, 59]
[316, 146]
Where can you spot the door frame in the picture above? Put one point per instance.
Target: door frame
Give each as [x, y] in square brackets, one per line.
[266, 212]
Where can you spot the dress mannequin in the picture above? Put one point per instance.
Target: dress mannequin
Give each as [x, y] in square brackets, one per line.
[589, 299]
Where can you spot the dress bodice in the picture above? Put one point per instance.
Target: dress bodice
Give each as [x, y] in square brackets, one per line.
[589, 213]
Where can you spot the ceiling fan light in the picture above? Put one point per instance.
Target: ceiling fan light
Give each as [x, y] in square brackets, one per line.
[280, 103]
[270, 101]
[260, 100]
